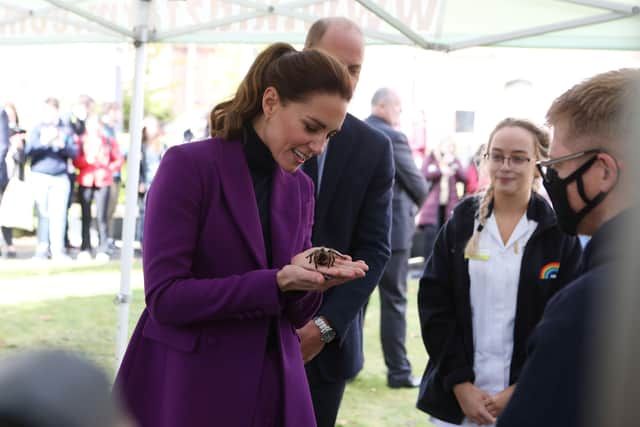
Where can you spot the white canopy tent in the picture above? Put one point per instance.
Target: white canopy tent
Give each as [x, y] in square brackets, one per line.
[443, 25]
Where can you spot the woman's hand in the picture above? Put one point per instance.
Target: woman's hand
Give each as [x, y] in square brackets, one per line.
[473, 402]
[302, 274]
[496, 405]
[342, 267]
[295, 278]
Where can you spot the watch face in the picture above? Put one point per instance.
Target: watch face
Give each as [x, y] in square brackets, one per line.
[328, 336]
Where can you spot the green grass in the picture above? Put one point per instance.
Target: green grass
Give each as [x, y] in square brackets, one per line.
[73, 308]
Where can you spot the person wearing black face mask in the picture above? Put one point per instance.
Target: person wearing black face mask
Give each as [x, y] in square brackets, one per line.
[592, 195]
[557, 187]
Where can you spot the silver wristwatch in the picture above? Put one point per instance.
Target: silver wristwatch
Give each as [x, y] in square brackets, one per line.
[327, 334]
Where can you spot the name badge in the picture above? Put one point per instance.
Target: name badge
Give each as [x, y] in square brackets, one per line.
[480, 256]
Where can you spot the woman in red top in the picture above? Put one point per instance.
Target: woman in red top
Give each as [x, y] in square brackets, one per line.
[98, 159]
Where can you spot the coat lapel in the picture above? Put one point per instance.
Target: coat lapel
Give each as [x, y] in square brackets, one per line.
[286, 206]
[241, 198]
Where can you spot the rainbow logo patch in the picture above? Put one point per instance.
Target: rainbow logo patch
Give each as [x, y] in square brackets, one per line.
[550, 271]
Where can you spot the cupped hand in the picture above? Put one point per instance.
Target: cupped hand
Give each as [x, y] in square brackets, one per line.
[473, 402]
[342, 269]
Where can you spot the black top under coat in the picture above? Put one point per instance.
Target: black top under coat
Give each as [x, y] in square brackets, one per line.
[261, 165]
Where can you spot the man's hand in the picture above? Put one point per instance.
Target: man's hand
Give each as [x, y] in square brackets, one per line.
[496, 405]
[473, 402]
[310, 342]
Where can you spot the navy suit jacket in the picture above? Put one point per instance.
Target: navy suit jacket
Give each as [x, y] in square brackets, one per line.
[353, 215]
[555, 383]
[409, 190]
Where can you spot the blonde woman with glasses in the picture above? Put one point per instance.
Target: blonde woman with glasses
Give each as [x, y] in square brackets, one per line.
[495, 264]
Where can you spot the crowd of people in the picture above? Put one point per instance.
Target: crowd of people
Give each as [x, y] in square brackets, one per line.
[72, 157]
[263, 243]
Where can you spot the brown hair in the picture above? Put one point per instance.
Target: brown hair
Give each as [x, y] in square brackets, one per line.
[597, 106]
[295, 75]
[541, 137]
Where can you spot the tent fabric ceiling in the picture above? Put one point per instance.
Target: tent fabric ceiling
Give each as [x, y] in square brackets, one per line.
[434, 24]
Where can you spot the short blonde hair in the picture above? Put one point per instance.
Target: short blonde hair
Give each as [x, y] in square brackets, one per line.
[598, 106]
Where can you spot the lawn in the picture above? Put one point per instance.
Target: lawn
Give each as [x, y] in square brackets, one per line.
[72, 307]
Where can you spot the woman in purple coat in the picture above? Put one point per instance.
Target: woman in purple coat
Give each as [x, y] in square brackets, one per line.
[226, 245]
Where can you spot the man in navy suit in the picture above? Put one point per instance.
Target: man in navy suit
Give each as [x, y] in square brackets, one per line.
[593, 194]
[354, 179]
[409, 192]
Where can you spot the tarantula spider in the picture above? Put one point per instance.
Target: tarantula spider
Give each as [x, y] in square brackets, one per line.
[325, 257]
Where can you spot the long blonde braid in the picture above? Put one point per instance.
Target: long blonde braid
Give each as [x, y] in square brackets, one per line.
[471, 249]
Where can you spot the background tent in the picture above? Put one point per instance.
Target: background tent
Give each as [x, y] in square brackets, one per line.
[442, 25]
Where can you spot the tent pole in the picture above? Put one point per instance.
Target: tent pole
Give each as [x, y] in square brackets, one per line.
[535, 31]
[123, 299]
[92, 18]
[399, 25]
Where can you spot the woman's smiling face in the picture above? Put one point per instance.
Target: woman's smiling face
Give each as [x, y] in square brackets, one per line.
[514, 174]
[296, 131]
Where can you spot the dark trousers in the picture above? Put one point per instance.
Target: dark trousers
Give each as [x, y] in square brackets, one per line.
[326, 397]
[102, 204]
[72, 183]
[7, 233]
[393, 322]
[114, 194]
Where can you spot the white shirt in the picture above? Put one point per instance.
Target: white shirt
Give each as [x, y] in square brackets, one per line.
[494, 293]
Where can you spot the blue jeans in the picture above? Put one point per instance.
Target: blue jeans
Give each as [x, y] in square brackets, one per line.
[51, 194]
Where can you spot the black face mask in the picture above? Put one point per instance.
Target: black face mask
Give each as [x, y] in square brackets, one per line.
[568, 219]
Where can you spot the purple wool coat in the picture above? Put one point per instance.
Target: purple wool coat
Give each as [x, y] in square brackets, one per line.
[195, 358]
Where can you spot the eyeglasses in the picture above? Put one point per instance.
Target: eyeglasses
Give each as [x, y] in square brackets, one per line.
[498, 159]
[545, 166]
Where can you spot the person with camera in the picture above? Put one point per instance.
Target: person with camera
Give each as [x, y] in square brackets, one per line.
[443, 171]
[50, 146]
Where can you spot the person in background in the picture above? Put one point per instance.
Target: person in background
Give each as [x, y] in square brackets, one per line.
[4, 176]
[50, 145]
[54, 388]
[99, 157]
[15, 161]
[443, 170]
[476, 180]
[111, 122]
[593, 194]
[153, 149]
[409, 192]
[228, 265]
[80, 111]
[495, 264]
[354, 180]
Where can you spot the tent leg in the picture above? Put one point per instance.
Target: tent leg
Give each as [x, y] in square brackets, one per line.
[123, 299]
